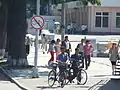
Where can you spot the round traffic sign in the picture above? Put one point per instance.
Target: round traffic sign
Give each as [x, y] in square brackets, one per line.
[37, 22]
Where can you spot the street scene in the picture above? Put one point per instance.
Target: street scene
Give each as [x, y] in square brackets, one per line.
[59, 44]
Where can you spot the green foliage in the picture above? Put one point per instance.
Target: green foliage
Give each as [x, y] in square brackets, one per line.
[85, 2]
[93, 2]
[44, 1]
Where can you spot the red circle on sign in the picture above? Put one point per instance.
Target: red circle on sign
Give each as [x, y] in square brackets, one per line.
[36, 22]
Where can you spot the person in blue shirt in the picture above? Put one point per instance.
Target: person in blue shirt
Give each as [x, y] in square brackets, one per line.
[63, 56]
[62, 59]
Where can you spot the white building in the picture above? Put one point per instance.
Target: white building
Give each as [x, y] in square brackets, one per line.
[104, 19]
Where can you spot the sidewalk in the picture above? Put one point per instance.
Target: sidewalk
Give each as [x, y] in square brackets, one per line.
[7, 85]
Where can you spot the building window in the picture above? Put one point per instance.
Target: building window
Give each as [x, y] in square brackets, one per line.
[118, 20]
[101, 19]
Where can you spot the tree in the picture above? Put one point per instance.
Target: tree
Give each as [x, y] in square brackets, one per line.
[16, 31]
[3, 17]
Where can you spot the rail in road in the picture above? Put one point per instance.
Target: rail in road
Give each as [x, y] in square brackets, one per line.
[6, 83]
[98, 85]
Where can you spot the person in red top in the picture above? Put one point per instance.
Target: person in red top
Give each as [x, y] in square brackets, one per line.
[57, 47]
[87, 53]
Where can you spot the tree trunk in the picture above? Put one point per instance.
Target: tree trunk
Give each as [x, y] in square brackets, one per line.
[16, 32]
[2, 28]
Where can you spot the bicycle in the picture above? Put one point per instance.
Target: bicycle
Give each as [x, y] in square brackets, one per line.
[82, 76]
[60, 76]
[52, 76]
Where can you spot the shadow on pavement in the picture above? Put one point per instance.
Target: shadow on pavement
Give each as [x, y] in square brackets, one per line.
[111, 85]
[24, 71]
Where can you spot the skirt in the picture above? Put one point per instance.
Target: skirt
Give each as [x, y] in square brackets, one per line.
[113, 62]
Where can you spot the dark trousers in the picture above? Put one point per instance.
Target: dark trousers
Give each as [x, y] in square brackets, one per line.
[75, 71]
[68, 52]
[87, 61]
[27, 49]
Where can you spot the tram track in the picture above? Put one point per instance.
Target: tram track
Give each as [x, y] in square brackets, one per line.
[98, 85]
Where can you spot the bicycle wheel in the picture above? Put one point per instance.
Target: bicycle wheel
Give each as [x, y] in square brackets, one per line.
[62, 79]
[51, 78]
[82, 77]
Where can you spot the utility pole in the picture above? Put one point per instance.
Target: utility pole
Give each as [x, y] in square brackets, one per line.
[35, 71]
[63, 20]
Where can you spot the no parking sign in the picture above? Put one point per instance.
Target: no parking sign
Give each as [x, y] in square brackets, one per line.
[37, 22]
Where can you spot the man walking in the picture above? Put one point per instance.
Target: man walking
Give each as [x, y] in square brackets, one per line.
[87, 53]
[44, 44]
[80, 46]
[67, 45]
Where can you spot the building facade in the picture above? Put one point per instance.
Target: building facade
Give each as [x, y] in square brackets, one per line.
[104, 19]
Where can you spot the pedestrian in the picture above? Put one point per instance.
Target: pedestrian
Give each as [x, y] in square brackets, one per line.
[113, 54]
[69, 29]
[67, 45]
[88, 48]
[80, 46]
[61, 59]
[27, 45]
[44, 43]
[76, 58]
[51, 49]
[57, 47]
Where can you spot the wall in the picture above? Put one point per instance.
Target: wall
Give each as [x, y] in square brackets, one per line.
[112, 19]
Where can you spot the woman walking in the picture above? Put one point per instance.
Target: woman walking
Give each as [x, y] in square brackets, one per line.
[52, 51]
[57, 47]
[113, 54]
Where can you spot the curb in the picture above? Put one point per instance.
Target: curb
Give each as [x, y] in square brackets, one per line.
[13, 80]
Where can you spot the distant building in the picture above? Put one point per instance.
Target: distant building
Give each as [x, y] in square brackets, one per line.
[104, 19]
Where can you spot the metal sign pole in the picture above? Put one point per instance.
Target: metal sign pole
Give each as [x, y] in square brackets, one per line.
[36, 44]
[63, 20]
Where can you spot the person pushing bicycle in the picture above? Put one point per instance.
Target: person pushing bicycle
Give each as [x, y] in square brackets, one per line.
[76, 59]
[62, 59]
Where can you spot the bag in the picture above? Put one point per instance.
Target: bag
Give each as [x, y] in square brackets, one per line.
[118, 57]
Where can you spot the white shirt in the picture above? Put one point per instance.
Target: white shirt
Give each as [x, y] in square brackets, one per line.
[67, 44]
[81, 47]
[68, 27]
[83, 27]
